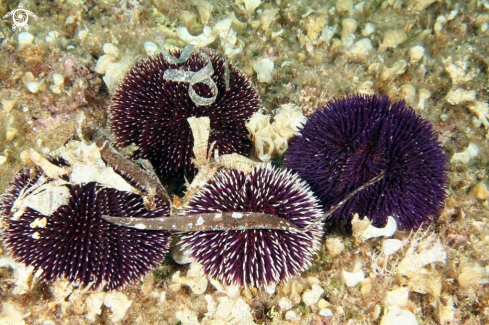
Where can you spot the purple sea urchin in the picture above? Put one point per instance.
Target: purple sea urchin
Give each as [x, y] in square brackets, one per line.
[256, 257]
[151, 111]
[353, 139]
[76, 243]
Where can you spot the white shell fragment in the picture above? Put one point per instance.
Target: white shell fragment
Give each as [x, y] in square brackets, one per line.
[397, 317]
[264, 69]
[44, 196]
[326, 312]
[248, 5]
[201, 128]
[364, 230]
[150, 48]
[119, 304]
[33, 84]
[285, 304]
[22, 274]
[312, 296]
[351, 279]
[424, 250]
[392, 39]
[467, 155]
[201, 40]
[194, 279]
[458, 96]
[416, 53]
[290, 315]
[58, 81]
[52, 36]
[24, 39]
[362, 50]
[115, 72]
[391, 246]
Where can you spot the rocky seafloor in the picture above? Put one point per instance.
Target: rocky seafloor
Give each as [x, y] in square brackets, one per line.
[432, 54]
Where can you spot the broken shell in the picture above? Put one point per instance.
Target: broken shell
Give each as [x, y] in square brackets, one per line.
[110, 49]
[25, 39]
[397, 298]
[311, 296]
[397, 69]
[366, 287]
[471, 275]
[457, 96]
[115, 73]
[465, 156]
[200, 40]
[396, 317]
[368, 29]
[349, 26]
[290, 315]
[325, 312]
[364, 230]
[353, 278]
[390, 246]
[52, 36]
[264, 69]
[285, 304]
[362, 50]
[408, 92]
[58, 81]
[416, 53]
[392, 39]
[289, 120]
[150, 48]
[423, 95]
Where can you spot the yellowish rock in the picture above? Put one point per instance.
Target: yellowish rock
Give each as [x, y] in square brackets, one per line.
[392, 39]
[10, 133]
[480, 191]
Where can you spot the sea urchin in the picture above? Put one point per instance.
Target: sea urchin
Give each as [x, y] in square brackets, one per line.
[351, 140]
[151, 110]
[75, 243]
[258, 258]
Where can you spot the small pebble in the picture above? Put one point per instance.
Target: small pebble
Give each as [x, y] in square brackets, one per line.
[52, 36]
[25, 39]
[285, 304]
[290, 315]
[10, 134]
[325, 312]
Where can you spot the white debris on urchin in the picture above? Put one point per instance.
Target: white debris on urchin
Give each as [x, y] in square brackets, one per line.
[260, 258]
